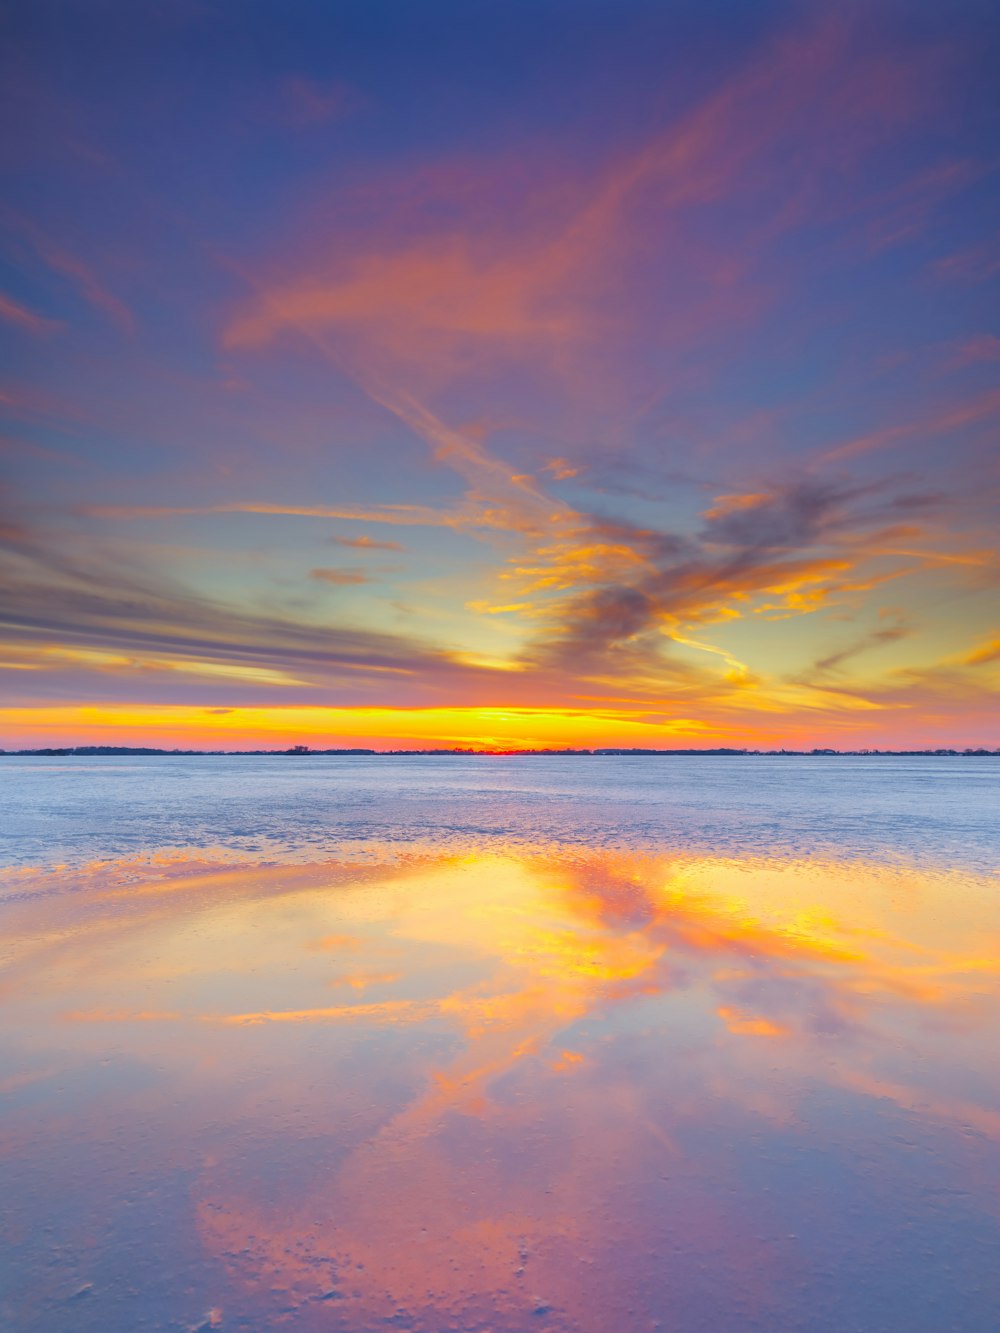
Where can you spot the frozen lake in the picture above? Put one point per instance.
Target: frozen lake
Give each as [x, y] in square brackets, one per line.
[499, 1044]
[940, 809]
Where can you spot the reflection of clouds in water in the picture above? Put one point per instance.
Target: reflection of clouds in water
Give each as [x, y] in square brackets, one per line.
[478, 1077]
[540, 1173]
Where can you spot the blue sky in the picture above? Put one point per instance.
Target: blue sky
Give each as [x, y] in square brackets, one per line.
[627, 372]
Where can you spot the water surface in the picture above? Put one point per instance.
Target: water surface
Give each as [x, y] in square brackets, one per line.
[551, 1044]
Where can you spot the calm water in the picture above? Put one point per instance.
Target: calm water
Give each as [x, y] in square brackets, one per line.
[498, 1045]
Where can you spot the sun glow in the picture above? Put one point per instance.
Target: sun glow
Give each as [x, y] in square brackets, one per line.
[172, 726]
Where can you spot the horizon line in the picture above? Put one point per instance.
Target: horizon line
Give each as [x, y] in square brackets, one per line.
[89, 750]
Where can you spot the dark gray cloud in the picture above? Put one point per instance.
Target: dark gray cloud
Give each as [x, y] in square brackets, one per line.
[875, 638]
[59, 591]
[800, 530]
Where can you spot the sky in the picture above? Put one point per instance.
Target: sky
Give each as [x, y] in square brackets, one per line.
[564, 373]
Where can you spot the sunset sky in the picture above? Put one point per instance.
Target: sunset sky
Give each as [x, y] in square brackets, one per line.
[500, 374]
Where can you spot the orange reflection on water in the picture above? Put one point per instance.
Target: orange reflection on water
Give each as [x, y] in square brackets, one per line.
[478, 1090]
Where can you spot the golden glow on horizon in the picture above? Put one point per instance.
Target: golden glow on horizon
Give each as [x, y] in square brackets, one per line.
[766, 724]
[478, 728]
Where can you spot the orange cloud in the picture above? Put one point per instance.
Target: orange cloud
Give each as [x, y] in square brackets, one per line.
[336, 943]
[340, 577]
[988, 652]
[531, 281]
[560, 469]
[441, 289]
[366, 544]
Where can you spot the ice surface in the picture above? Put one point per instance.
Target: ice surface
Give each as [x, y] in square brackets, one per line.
[570, 1045]
[943, 809]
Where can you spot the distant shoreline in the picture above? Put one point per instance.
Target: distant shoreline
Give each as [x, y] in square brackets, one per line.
[304, 752]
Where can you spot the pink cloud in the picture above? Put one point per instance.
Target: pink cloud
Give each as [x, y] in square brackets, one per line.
[15, 313]
[77, 271]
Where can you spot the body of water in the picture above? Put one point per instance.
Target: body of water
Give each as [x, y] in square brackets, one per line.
[499, 1044]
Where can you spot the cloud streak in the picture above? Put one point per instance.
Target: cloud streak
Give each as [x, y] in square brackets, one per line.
[16, 313]
[340, 578]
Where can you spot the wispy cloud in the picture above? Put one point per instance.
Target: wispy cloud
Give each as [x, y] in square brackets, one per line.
[403, 515]
[787, 549]
[16, 313]
[120, 617]
[341, 578]
[70, 266]
[427, 275]
[366, 544]
[884, 634]
[985, 654]
[945, 422]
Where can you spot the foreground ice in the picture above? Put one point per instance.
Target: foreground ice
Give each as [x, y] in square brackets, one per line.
[440, 1080]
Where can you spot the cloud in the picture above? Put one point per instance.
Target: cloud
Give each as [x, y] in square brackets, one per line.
[596, 305]
[876, 638]
[985, 347]
[458, 262]
[977, 264]
[940, 423]
[405, 515]
[102, 600]
[28, 403]
[782, 549]
[20, 315]
[71, 266]
[560, 469]
[342, 578]
[413, 283]
[956, 687]
[366, 544]
[785, 517]
[985, 654]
